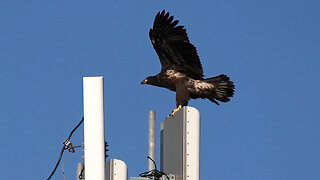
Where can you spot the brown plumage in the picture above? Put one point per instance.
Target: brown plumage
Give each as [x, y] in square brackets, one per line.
[181, 67]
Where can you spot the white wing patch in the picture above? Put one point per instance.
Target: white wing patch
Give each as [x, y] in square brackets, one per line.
[202, 86]
[173, 74]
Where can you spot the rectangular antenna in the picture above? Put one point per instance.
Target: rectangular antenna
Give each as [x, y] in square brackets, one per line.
[180, 144]
[116, 170]
[94, 143]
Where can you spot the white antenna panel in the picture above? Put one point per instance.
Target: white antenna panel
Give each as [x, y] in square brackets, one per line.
[116, 170]
[180, 144]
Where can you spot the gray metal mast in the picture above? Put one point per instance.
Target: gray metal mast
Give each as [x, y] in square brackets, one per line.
[152, 139]
[80, 171]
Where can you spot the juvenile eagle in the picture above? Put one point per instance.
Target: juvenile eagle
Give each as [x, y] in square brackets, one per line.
[181, 69]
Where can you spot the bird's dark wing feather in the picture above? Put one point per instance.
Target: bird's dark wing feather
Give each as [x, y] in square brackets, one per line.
[172, 45]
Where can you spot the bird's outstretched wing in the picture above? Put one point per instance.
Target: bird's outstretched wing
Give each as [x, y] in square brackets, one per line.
[172, 45]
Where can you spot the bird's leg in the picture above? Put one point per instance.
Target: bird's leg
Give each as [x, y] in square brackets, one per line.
[182, 95]
[175, 110]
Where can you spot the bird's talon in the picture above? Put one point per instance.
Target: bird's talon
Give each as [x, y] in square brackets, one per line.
[175, 111]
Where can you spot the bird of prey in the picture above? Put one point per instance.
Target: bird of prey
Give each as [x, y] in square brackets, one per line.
[181, 69]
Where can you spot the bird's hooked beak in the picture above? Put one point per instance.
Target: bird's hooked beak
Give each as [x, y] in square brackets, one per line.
[144, 81]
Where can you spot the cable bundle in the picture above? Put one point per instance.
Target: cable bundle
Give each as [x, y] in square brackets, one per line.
[154, 173]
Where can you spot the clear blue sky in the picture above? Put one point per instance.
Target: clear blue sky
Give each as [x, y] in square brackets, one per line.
[270, 49]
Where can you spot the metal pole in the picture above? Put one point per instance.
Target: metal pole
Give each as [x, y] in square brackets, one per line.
[152, 139]
[80, 171]
[94, 144]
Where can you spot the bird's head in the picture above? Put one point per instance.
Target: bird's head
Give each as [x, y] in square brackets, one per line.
[152, 80]
[146, 81]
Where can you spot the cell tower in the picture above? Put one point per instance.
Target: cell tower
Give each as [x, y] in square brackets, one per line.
[180, 142]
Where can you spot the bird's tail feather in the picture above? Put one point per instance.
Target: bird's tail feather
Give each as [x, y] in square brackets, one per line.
[224, 88]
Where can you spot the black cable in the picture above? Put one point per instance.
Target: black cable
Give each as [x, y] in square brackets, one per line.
[155, 165]
[63, 148]
[81, 175]
[154, 173]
